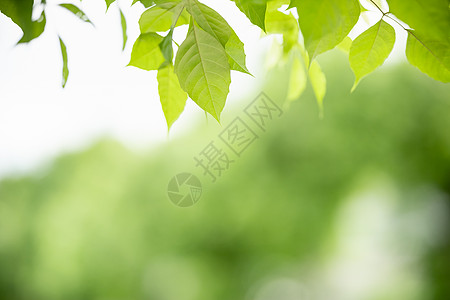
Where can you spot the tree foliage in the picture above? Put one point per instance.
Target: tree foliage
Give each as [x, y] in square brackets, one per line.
[202, 64]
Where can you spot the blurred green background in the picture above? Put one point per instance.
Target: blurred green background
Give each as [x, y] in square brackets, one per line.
[354, 206]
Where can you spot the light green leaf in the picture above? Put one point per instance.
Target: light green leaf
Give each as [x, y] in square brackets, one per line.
[255, 10]
[236, 55]
[146, 53]
[159, 19]
[325, 23]
[202, 68]
[172, 97]
[123, 23]
[285, 24]
[77, 12]
[345, 44]
[210, 21]
[65, 69]
[370, 49]
[297, 79]
[213, 23]
[318, 83]
[431, 56]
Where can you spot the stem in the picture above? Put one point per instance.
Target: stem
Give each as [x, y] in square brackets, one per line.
[377, 7]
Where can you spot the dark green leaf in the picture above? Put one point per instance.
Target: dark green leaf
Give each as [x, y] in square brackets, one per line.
[166, 47]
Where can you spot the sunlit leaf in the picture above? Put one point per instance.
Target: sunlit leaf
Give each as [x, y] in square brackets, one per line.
[76, 11]
[370, 49]
[345, 44]
[172, 97]
[201, 65]
[236, 55]
[431, 56]
[146, 53]
[325, 23]
[65, 68]
[318, 83]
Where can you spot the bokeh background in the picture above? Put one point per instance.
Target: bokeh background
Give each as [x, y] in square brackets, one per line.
[354, 206]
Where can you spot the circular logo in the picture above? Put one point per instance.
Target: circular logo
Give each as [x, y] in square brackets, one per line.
[184, 189]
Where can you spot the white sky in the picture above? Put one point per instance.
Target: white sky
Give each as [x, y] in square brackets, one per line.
[39, 120]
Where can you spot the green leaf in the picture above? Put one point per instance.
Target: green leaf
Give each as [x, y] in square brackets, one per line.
[146, 53]
[36, 29]
[318, 83]
[255, 10]
[370, 49]
[146, 3]
[108, 3]
[76, 11]
[297, 79]
[65, 69]
[431, 56]
[20, 12]
[236, 55]
[159, 19]
[172, 97]
[430, 18]
[123, 23]
[325, 23]
[285, 24]
[202, 68]
[213, 23]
